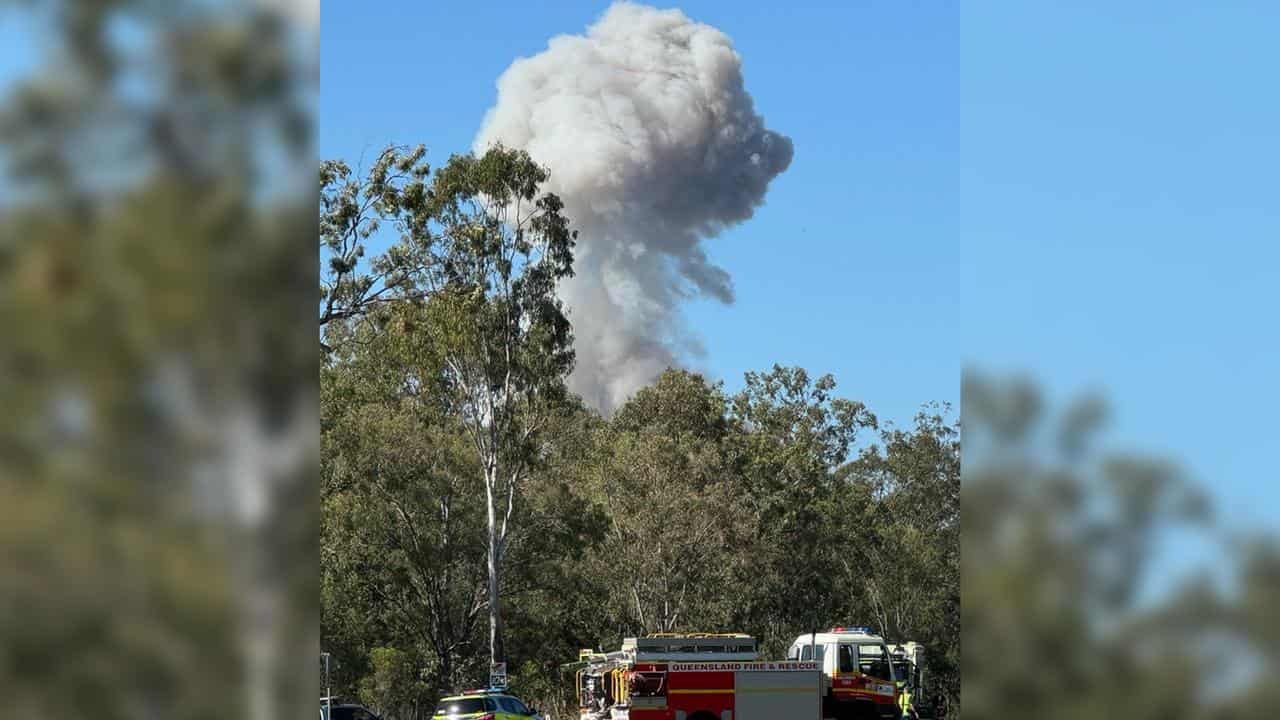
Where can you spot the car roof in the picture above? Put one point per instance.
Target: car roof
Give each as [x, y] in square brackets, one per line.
[826, 637]
[478, 694]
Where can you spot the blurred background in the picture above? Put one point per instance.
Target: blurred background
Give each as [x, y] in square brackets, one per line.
[158, 366]
[1119, 502]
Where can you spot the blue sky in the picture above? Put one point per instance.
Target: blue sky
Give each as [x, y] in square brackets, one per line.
[849, 268]
[1082, 191]
[19, 54]
[1119, 221]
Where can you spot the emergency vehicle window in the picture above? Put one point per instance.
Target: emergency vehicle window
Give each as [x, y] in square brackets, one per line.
[819, 653]
[512, 705]
[873, 660]
[793, 653]
[648, 684]
[807, 653]
[464, 706]
[847, 663]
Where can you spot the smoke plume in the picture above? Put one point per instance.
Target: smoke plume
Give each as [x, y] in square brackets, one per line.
[654, 145]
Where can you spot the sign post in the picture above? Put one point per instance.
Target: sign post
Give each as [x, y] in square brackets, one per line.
[498, 676]
[328, 689]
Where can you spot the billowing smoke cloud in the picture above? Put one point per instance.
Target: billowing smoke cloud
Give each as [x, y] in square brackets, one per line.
[654, 145]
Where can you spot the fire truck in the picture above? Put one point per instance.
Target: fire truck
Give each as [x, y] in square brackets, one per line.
[858, 676]
[720, 677]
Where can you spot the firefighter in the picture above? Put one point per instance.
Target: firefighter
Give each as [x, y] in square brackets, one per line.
[904, 702]
[904, 671]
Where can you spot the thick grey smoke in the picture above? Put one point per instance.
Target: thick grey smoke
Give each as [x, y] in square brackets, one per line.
[654, 145]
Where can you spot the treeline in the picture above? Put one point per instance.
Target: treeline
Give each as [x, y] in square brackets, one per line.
[690, 509]
[474, 511]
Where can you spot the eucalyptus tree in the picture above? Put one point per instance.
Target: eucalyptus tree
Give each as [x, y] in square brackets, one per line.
[485, 323]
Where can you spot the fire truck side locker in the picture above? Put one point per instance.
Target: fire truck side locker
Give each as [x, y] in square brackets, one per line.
[774, 695]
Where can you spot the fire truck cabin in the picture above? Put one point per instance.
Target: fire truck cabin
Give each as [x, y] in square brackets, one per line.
[857, 672]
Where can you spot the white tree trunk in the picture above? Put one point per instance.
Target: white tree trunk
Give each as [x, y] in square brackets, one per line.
[497, 650]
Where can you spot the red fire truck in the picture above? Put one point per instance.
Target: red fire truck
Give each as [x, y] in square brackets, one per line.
[858, 675]
[719, 677]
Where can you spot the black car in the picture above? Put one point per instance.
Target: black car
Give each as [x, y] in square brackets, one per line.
[347, 712]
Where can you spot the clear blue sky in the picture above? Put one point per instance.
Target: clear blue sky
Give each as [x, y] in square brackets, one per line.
[849, 268]
[19, 54]
[1119, 220]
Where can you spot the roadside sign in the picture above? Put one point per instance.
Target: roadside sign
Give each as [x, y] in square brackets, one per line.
[498, 675]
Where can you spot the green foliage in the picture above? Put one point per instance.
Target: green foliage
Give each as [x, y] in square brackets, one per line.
[478, 336]
[910, 551]
[351, 212]
[671, 515]
[402, 529]
[678, 520]
[687, 510]
[149, 288]
[393, 684]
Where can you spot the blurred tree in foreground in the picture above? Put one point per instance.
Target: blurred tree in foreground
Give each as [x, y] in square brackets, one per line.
[1058, 545]
[156, 281]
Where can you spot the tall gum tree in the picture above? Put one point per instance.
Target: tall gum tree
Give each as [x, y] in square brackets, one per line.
[483, 312]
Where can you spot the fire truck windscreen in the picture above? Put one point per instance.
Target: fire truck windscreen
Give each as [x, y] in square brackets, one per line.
[648, 684]
[871, 660]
